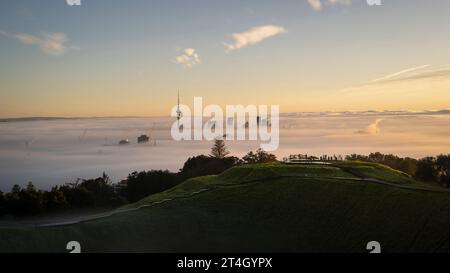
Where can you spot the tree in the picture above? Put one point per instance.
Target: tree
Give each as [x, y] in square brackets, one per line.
[16, 189]
[142, 184]
[443, 166]
[427, 169]
[3, 209]
[250, 158]
[406, 165]
[206, 165]
[219, 150]
[31, 188]
[353, 157]
[445, 181]
[24, 201]
[91, 193]
[55, 200]
[99, 192]
[31, 200]
[376, 157]
[78, 197]
[260, 156]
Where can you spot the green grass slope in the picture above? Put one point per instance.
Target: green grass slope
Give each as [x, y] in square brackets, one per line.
[376, 171]
[262, 208]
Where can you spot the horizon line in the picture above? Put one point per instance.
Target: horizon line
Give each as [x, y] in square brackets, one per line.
[445, 110]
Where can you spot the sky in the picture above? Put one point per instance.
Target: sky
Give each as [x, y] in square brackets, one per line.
[130, 58]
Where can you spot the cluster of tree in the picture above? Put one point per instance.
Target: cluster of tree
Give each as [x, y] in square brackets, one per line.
[218, 161]
[260, 156]
[141, 184]
[407, 165]
[435, 169]
[206, 165]
[101, 193]
[93, 193]
[429, 169]
[306, 157]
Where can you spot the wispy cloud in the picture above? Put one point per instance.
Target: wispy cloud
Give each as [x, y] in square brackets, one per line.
[317, 5]
[189, 58]
[442, 73]
[404, 76]
[50, 43]
[400, 73]
[253, 36]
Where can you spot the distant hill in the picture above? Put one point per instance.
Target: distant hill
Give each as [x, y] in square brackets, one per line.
[30, 119]
[266, 208]
[57, 118]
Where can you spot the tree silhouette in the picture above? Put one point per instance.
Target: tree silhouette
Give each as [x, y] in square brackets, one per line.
[443, 165]
[219, 150]
[260, 156]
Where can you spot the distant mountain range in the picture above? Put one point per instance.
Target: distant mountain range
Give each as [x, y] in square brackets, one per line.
[54, 118]
[369, 113]
[292, 114]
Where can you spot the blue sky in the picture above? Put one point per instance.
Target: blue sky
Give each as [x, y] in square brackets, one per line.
[111, 57]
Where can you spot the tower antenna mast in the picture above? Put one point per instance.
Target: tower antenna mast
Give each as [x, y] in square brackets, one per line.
[178, 109]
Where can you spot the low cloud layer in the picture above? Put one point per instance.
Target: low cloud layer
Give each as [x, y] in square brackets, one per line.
[49, 43]
[253, 36]
[54, 152]
[189, 58]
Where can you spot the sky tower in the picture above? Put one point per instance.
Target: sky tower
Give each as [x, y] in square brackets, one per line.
[179, 113]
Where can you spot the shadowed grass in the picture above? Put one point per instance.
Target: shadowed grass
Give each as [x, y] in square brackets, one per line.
[262, 208]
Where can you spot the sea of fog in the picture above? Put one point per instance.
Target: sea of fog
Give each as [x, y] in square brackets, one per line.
[54, 152]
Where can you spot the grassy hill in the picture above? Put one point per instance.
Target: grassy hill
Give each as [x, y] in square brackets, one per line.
[266, 208]
[376, 171]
